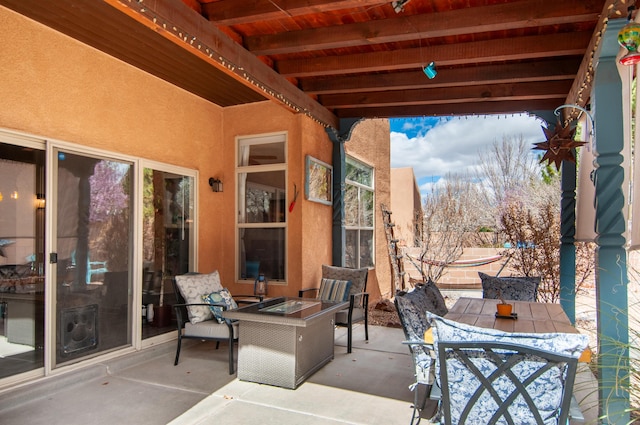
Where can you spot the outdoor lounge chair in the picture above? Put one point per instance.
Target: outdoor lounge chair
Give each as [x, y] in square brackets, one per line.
[412, 310]
[358, 298]
[493, 377]
[196, 319]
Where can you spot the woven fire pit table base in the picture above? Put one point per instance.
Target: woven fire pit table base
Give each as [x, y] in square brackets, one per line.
[284, 349]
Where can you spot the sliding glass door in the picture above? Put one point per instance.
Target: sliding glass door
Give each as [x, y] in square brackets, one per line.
[92, 255]
[22, 198]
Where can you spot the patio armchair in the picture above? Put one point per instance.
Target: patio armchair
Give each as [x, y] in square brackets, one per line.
[201, 301]
[493, 377]
[358, 298]
[412, 308]
[516, 288]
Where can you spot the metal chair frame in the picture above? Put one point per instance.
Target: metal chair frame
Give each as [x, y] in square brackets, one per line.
[504, 356]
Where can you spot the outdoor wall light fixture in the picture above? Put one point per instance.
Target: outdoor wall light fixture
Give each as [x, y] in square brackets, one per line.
[216, 184]
[398, 6]
[629, 38]
[430, 70]
[40, 201]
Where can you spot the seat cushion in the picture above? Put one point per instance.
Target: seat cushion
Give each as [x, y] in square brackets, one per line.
[209, 329]
[516, 288]
[193, 287]
[223, 296]
[435, 297]
[342, 316]
[334, 289]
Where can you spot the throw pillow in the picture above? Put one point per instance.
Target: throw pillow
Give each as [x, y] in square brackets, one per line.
[193, 287]
[224, 297]
[334, 289]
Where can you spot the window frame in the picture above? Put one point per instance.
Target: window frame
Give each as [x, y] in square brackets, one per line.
[359, 227]
[257, 139]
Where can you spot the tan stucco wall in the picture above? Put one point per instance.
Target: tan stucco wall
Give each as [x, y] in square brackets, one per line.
[405, 204]
[55, 87]
[309, 223]
[370, 144]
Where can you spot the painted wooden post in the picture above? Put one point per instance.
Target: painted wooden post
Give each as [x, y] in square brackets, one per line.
[567, 240]
[338, 233]
[611, 266]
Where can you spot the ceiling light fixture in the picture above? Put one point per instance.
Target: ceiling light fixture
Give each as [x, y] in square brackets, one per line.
[430, 70]
[398, 6]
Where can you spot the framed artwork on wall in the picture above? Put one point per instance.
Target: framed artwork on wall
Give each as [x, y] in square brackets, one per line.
[318, 183]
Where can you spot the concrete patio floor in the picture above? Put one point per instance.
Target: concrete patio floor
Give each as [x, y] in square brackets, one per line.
[368, 386]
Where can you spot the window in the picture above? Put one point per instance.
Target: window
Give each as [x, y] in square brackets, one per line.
[359, 213]
[261, 224]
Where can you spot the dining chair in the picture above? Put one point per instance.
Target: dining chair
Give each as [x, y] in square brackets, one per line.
[517, 288]
[412, 310]
[353, 282]
[492, 377]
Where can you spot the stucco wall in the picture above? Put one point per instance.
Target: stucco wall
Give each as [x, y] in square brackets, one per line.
[370, 143]
[309, 223]
[55, 87]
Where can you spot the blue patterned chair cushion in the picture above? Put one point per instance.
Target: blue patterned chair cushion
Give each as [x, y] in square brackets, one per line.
[193, 287]
[517, 288]
[334, 289]
[222, 296]
[547, 388]
[435, 297]
[412, 310]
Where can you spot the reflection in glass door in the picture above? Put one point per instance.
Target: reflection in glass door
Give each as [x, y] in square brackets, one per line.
[22, 197]
[93, 244]
[168, 229]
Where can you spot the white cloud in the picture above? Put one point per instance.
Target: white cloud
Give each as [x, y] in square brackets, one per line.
[452, 144]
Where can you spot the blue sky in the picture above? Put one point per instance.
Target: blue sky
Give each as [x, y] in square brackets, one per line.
[437, 146]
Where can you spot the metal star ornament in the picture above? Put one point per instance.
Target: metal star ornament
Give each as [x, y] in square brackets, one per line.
[559, 145]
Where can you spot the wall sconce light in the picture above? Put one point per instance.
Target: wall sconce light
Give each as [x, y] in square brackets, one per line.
[14, 194]
[629, 38]
[216, 184]
[40, 202]
[430, 70]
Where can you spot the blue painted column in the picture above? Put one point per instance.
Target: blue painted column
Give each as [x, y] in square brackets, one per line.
[611, 265]
[338, 233]
[567, 240]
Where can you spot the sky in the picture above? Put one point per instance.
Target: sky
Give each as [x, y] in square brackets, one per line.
[435, 146]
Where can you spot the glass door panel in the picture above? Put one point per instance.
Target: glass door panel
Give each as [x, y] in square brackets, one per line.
[22, 197]
[169, 242]
[93, 244]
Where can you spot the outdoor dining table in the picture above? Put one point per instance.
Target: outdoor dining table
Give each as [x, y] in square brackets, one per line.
[529, 317]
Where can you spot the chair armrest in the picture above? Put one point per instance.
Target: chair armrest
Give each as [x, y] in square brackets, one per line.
[248, 299]
[365, 300]
[302, 291]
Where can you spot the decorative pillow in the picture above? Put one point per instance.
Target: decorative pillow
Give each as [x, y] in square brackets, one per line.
[223, 296]
[548, 386]
[193, 287]
[334, 290]
[517, 288]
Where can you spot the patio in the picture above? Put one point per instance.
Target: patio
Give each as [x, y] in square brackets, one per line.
[369, 386]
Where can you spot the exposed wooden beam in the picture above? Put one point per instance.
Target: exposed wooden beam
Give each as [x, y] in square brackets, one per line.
[232, 12]
[505, 107]
[542, 70]
[180, 24]
[530, 47]
[500, 17]
[434, 96]
[581, 90]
